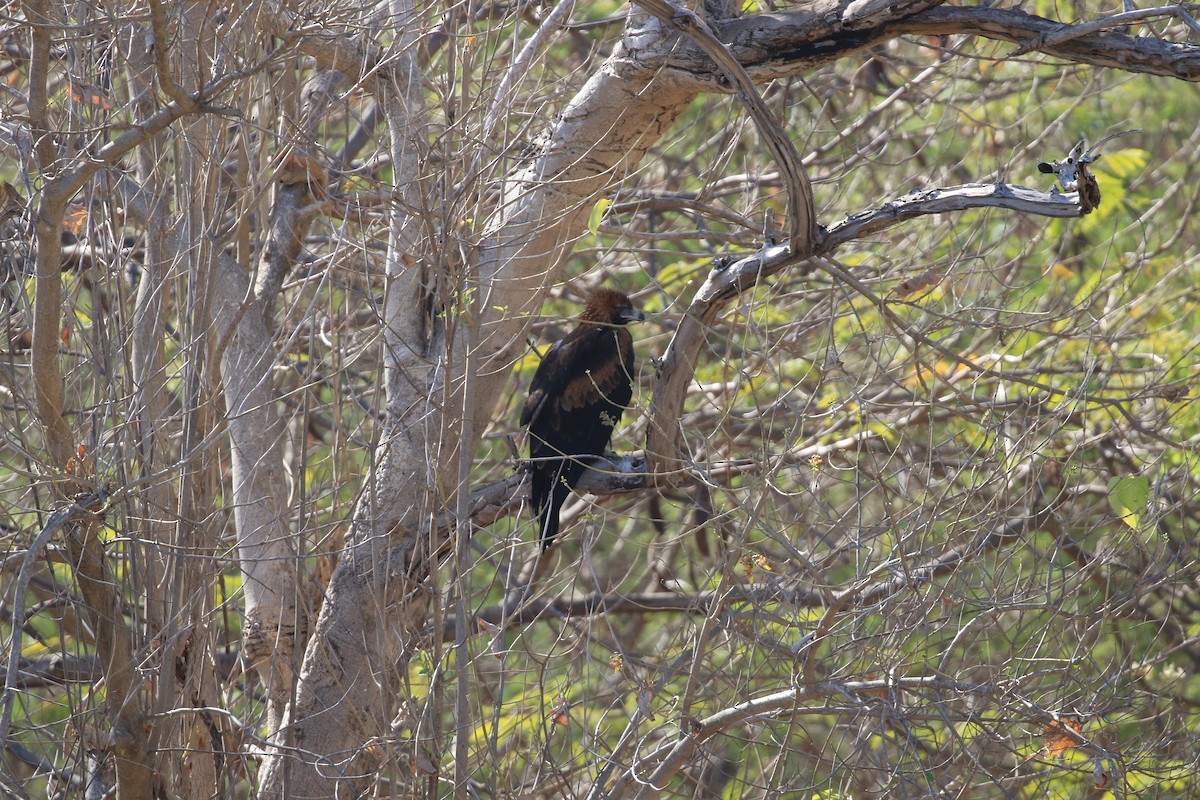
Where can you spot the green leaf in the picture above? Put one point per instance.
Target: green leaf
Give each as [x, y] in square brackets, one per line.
[1124, 163]
[598, 214]
[1128, 495]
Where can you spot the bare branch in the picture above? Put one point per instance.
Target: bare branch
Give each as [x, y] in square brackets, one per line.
[302, 178]
[802, 216]
[944, 201]
[60, 518]
[727, 280]
[1069, 32]
[674, 755]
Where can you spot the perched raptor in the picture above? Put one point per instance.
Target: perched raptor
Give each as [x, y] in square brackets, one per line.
[576, 399]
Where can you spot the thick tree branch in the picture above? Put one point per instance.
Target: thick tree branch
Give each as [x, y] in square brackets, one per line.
[788, 43]
[923, 203]
[727, 280]
[1107, 23]
[612, 474]
[266, 545]
[1144, 54]
[301, 179]
[332, 48]
[56, 671]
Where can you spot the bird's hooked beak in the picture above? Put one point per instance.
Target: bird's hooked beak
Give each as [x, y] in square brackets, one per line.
[632, 315]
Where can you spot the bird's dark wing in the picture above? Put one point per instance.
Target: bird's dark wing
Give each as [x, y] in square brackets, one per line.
[547, 382]
[606, 378]
[586, 374]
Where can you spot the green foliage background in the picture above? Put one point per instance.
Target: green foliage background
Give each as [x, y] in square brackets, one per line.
[845, 435]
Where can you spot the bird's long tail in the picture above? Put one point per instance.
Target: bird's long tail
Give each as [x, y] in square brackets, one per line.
[549, 494]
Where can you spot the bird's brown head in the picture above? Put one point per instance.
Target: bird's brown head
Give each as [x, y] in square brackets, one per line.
[610, 307]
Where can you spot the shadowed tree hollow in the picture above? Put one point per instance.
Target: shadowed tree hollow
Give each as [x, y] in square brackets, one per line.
[905, 501]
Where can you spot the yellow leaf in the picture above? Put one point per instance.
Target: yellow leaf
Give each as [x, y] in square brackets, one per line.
[1062, 272]
[597, 214]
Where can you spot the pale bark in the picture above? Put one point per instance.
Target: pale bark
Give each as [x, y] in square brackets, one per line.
[378, 599]
[127, 738]
[445, 364]
[180, 584]
[266, 544]
[276, 615]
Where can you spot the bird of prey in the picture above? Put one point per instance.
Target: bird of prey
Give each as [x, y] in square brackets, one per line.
[576, 398]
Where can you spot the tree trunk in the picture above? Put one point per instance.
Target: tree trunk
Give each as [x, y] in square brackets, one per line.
[378, 598]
